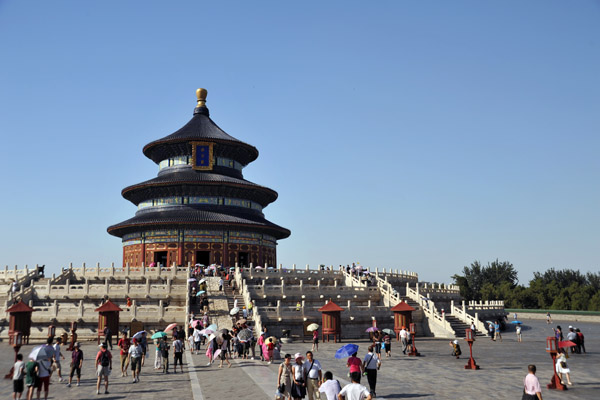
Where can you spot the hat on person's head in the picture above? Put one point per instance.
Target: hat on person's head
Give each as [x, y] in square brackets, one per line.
[77, 345]
[455, 341]
[570, 326]
[297, 356]
[103, 345]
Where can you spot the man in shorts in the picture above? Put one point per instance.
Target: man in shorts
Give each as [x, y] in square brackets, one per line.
[57, 357]
[103, 367]
[124, 344]
[135, 359]
[18, 376]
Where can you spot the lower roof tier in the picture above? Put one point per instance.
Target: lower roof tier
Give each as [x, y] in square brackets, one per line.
[196, 219]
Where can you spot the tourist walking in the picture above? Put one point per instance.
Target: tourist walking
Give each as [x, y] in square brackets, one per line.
[18, 377]
[371, 364]
[284, 377]
[377, 342]
[456, 352]
[315, 346]
[387, 341]
[144, 346]
[124, 345]
[57, 357]
[221, 284]
[532, 389]
[330, 387]
[572, 336]
[261, 342]
[76, 364]
[108, 336]
[497, 334]
[44, 372]
[518, 330]
[223, 355]
[548, 318]
[581, 342]
[158, 353]
[562, 367]
[298, 385]
[404, 339]
[103, 367]
[197, 339]
[164, 352]
[31, 377]
[355, 364]
[135, 359]
[314, 376]
[354, 390]
[178, 348]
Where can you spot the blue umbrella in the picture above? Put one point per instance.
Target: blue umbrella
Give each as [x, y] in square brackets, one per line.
[515, 322]
[200, 292]
[346, 350]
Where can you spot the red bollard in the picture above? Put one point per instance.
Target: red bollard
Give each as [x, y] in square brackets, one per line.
[552, 349]
[471, 364]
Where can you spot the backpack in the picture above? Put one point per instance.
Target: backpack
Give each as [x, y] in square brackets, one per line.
[104, 360]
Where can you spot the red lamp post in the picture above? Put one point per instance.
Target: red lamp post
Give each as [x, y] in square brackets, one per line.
[413, 349]
[552, 349]
[17, 342]
[470, 338]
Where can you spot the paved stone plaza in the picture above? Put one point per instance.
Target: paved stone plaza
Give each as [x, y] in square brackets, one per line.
[434, 375]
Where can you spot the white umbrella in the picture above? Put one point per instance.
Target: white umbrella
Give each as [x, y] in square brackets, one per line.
[192, 280]
[43, 352]
[202, 280]
[312, 327]
[234, 311]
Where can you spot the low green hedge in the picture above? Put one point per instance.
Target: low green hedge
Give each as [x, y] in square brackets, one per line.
[566, 312]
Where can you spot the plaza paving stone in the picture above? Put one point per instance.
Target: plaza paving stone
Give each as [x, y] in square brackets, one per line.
[435, 375]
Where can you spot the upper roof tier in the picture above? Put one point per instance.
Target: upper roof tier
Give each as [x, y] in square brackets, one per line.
[201, 128]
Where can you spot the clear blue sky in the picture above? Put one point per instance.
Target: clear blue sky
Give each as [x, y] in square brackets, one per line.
[413, 135]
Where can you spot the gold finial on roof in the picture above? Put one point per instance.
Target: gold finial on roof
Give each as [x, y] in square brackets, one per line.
[201, 95]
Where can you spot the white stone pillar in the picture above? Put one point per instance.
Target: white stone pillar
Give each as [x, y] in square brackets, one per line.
[67, 286]
[278, 308]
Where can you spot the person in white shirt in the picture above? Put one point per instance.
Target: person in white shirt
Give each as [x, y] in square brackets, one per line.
[354, 391]
[312, 370]
[57, 357]
[371, 364]
[404, 339]
[330, 387]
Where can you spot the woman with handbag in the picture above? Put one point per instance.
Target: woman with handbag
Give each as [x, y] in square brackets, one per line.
[284, 377]
[562, 367]
[298, 386]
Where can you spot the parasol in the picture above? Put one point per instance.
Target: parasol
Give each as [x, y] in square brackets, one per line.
[170, 326]
[207, 331]
[195, 323]
[515, 322]
[346, 350]
[245, 335]
[271, 339]
[372, 329]
[202, 280]
[312, 327]
[389, 331]
[43, 352]
[241, 321]
[200, 292]
[158, 335]
[234, 311]
[213, 327]
[192, 280]
[210, 337]
[138, 335]
[217, 352]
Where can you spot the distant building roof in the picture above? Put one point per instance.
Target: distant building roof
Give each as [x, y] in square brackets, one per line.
[108, 306]
[402, 306]
[19, 307]
[330, 306]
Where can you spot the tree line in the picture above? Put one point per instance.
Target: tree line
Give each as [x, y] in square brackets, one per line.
[552, 289]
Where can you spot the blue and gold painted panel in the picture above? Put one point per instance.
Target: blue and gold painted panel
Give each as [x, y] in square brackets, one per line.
[202, 156]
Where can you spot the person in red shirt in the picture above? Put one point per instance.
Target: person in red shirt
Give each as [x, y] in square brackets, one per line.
[354, 363]
[103, 367]
[124, 345]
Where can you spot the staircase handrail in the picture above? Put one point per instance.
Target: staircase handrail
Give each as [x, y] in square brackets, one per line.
[245, 293]
[429, 308]
[462, 315]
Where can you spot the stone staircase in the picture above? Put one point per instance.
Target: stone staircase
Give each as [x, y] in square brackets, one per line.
[458, 326]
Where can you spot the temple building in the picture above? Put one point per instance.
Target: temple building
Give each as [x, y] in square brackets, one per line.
[199, 209]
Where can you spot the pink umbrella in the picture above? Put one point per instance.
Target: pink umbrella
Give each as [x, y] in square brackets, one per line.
[195, 323]
[171, 326]
[217, 353]
[372, 329]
